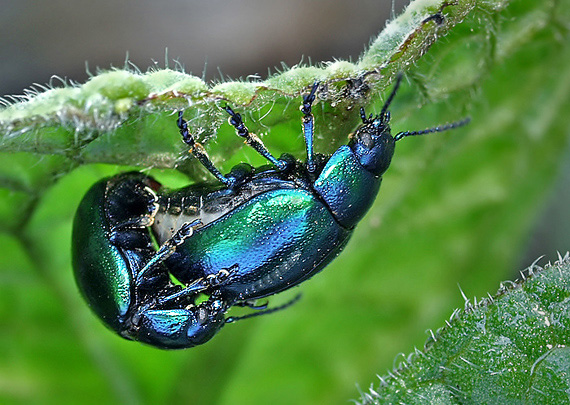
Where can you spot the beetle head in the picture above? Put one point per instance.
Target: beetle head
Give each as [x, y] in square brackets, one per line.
[178, 328]
[373, 143]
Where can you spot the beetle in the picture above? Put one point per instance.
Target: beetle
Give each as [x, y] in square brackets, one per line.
[250, 234]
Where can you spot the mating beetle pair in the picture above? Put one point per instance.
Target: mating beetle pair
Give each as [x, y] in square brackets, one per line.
[253, 233]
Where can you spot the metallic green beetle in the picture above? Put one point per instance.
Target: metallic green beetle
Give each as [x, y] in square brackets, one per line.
[253, 233]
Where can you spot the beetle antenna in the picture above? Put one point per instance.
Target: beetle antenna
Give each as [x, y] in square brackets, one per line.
[391, 96]
[442, 128]
[233, 319]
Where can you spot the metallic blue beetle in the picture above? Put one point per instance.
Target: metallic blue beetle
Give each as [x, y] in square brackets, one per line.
[253, 233]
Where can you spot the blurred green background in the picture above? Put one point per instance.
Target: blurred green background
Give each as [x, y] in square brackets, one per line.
[470, 208]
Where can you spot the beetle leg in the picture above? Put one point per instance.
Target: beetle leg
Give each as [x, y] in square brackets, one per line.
[166, 250]
[232, 319]
[251, 139]
[308, 126]
[196, 287]
[199, 152]
[203, 284]
[251, 304]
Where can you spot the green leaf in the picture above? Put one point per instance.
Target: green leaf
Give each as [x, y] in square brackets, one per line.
[454, 207]
[512, 347]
